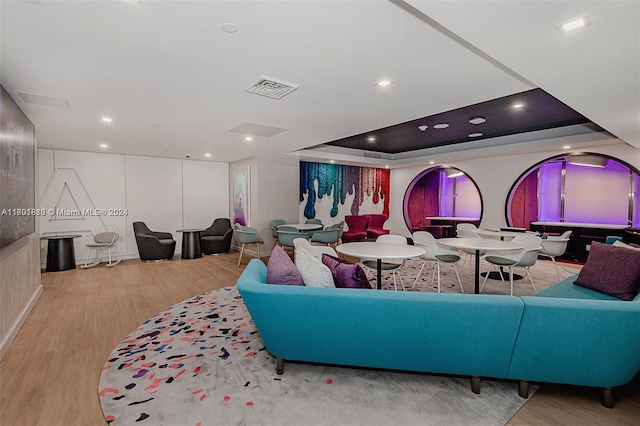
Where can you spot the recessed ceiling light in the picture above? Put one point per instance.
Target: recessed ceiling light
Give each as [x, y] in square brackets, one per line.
[228, 27]
[574, 24]
[332, 161]
[423, 128]
[384, 83]
[477, 120]
[518, 105]
[441, 126]
[207, 155]
[371, 138]
[432, 162]
[386, 167]
[475, 135]
[566, 147]
[103, 145]
[107, 119]
[248, 138]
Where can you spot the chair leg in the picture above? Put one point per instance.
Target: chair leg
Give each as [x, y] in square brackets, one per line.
[484, 281]
[458, 276]
[240, 257]
[258, 247]
[531, 280]
[555, 265]
[400, 278]
[438, 270]
[419, 273]
[511, 278]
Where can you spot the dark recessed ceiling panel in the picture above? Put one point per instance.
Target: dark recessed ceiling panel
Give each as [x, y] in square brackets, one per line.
[538, 111]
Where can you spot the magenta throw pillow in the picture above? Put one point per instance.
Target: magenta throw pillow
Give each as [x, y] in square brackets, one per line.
[346, 274]
[611, 270]
[281, 269]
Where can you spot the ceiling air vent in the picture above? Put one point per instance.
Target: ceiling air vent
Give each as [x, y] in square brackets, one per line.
[272, 87]
[372, 154]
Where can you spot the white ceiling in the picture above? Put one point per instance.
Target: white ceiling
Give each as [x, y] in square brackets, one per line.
[173, 81]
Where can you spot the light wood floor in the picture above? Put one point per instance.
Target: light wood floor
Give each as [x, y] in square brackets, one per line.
[50, 374]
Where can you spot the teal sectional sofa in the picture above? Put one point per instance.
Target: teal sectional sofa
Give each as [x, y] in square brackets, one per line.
[562, 335]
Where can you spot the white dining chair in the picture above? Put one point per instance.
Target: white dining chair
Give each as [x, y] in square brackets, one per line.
[437, 254]
[524, 258]
[392, 266]
[315, 250]
[554, 246]
[467, 230]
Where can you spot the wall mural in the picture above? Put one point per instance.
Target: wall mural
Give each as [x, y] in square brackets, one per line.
[338, 181]
[241, 194]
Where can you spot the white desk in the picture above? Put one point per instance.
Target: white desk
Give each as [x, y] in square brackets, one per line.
[478, 244]
[379, 251]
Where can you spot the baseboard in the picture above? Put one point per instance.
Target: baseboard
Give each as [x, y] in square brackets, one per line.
[15, 328]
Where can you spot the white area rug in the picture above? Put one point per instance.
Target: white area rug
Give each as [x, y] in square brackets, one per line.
[201, 362]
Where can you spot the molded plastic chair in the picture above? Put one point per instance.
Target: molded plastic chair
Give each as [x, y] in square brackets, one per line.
[247, 235]
[389, 265]
[105, 240]
[357, 228]
[524, 257]
[217, 238]
[610, 239]
[286, 235]
[437, 254]
[327, 236]
[375, 228]
[317, 251]
[313, 221]
[467, 230]
[555, 246]
[273, 225]
[153, 245]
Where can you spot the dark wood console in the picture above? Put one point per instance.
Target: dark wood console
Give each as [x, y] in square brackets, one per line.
[582, 235]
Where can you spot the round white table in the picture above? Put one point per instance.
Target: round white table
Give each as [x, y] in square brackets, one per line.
[494, 233]
[379, 251]
[478, 245]
[303, 226]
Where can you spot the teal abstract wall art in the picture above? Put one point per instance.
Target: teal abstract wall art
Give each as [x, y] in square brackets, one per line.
[338, 181]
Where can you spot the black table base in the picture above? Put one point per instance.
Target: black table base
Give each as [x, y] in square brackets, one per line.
[191, 245]
[60, 255]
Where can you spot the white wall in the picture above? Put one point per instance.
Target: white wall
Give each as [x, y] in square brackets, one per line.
[166, 194]
[273, 195]
[494, 177]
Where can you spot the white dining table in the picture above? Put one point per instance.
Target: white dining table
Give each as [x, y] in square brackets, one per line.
[478, 245]
[303, 226]
[496, 233]
[380, 252]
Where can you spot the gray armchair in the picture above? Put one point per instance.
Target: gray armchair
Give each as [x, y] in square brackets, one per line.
[153, 246]
[216, 239]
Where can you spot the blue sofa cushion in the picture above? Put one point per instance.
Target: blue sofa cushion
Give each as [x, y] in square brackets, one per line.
[281, 269]
[566, 289]
[611, 270]
[346, 274]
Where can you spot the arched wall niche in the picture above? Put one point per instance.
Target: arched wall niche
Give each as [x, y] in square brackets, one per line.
[578, 188]
[441, 196]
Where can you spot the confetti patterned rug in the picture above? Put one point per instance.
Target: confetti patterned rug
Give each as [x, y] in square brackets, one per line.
[201, 362]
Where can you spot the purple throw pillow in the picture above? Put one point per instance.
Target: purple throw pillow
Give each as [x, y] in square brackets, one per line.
[611, 270]
[281, 269]
[346, 274]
